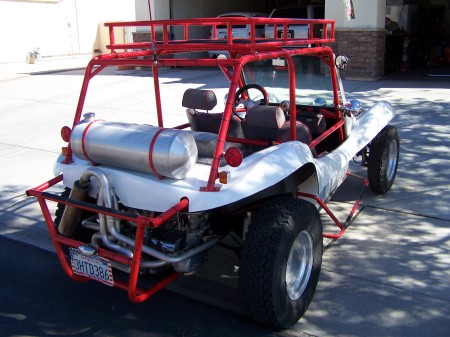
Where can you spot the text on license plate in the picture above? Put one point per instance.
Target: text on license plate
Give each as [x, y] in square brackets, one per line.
[93, 267]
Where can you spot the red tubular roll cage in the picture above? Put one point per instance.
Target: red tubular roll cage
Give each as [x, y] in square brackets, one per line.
[153, 54]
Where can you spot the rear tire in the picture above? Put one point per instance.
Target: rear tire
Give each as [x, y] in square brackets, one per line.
[383, 160]
[61, 207]
[280, 261]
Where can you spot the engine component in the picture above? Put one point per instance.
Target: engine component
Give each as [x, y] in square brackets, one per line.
[168, 242]
[190, 264]
[179, 242]
[144, 148]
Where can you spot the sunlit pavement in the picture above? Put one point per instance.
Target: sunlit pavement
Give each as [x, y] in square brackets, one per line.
[388, 275]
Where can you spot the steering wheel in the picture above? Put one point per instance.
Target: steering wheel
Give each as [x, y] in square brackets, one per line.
[248, 103]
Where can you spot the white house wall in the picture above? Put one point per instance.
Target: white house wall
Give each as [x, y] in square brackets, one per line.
[64, 27]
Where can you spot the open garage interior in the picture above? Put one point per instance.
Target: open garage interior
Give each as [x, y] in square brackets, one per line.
[421, 42]
[422, 38]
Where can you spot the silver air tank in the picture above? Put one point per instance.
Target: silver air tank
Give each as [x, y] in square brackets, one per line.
[144, 148]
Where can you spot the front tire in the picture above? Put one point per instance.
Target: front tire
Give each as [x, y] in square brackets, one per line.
[280, 261]
[383, 160]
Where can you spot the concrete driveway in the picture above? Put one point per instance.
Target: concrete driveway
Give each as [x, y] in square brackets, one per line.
[388, 275]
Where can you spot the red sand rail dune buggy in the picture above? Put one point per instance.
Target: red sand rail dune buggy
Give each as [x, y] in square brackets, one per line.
[147, 201]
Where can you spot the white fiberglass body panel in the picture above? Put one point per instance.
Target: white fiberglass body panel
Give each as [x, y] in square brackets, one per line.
[259, 171]
[364, 129]
[147, 191]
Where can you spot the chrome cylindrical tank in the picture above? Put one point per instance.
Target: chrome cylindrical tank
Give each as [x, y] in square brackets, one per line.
[144, 148]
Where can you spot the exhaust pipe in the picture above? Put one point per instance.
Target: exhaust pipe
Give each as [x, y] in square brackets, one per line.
[71, 217]
[106, 198]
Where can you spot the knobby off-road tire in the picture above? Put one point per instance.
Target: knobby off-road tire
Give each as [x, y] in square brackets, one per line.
[383, 160]
[60, 207]
[280, 261]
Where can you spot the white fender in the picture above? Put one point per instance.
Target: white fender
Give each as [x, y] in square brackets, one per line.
[256, 173]
[365, 128]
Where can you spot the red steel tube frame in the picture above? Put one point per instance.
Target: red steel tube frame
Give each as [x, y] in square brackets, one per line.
[135, 294]
[342, 226]
[101, 63]
[324, 135]
[97, 64]
[327, 28]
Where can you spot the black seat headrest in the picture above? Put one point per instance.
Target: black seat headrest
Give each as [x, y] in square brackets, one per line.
[265, 122]
[265, 116]
[199, 99]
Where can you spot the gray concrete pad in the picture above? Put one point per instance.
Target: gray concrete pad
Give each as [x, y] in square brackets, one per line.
[21, 220]
[388, 275]
[395, 249]
[20, 216]
[18, 70]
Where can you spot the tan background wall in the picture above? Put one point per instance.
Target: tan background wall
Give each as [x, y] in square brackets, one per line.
[362, 39]
[365, 50]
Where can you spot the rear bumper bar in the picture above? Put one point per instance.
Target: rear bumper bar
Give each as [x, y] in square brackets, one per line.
[135, 294]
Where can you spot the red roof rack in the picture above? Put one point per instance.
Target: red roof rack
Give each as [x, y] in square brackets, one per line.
[319, 32]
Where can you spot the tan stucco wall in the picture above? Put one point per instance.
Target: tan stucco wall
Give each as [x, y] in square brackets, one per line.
[362, 39]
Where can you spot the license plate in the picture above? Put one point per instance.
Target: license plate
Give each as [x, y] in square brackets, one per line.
[93, 267]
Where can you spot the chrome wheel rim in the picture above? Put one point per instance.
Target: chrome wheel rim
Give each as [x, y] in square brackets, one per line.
[392, 160]
[299, 265]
